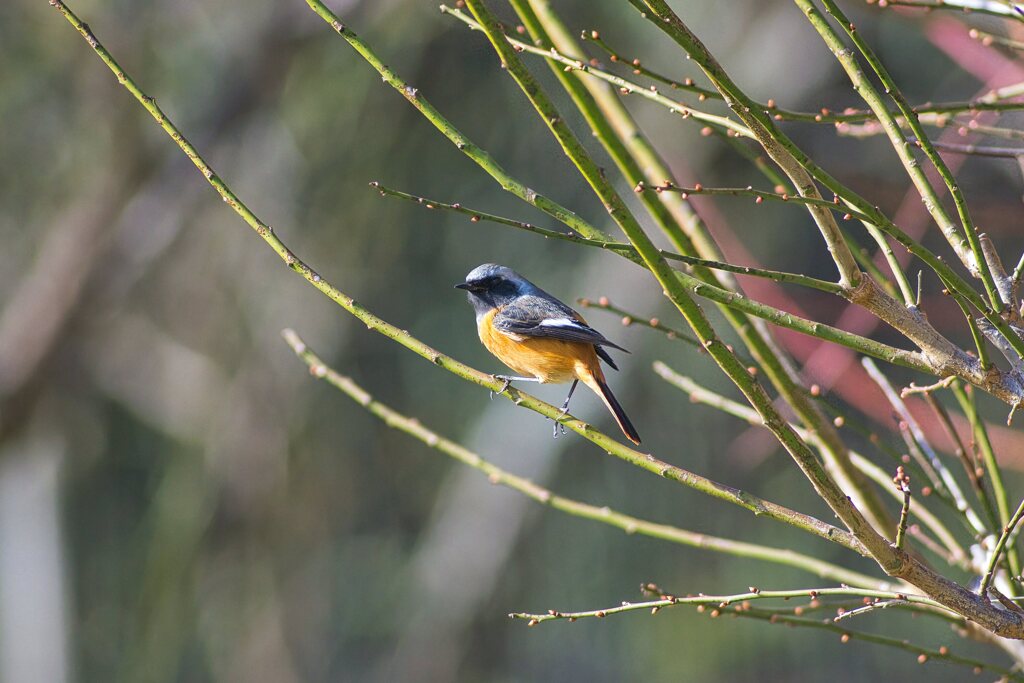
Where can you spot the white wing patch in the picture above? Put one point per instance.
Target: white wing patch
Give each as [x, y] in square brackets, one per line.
[562, 322]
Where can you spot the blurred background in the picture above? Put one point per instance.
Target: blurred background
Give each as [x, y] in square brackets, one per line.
[181, 501]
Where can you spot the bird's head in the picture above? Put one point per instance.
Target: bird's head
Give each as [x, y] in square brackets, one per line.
[493, 286]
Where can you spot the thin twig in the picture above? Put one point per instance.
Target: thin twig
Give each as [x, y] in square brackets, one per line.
[849, 115]
[965, 398]
[996, 9]
[948, 481]
[963, 126]
[914, 389]
[924, 654]
[759, 196]
[629, 318]
[987, 39]
[980, 150]
[723, 601]
[902, 481]
[970, 469]
[878, 604]
[993, 559]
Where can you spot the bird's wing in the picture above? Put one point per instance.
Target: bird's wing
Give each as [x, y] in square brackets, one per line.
[534, 316]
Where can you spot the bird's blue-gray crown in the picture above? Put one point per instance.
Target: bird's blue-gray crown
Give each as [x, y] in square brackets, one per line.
[493, 286]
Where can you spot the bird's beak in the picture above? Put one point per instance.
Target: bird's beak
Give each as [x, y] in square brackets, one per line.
[463, 285]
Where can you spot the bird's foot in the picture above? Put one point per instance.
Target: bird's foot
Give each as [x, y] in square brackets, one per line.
[504, 387]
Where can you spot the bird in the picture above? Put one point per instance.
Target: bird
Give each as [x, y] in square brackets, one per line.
[541, 338]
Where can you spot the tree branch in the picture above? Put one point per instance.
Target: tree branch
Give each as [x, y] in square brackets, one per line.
[724, 601]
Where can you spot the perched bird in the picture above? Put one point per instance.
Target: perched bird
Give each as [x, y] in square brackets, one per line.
[540, 337]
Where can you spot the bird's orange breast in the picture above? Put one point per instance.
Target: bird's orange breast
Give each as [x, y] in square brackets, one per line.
[549, 360]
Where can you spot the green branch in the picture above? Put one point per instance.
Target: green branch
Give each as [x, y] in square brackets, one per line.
[603, 514]
[993, 559]
[970, 469]
[461, 141]
[965, 398]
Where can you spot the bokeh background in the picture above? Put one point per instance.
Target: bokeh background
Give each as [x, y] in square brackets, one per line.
[180, 501]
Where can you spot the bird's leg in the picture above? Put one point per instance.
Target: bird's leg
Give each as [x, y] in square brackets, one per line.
[565, 405]
[565, 409]
[508, 379]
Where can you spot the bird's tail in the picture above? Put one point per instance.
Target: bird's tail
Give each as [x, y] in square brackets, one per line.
[601, 388]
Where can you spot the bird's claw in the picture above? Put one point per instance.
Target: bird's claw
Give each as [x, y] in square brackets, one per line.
[504, 387]
[558, 426]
